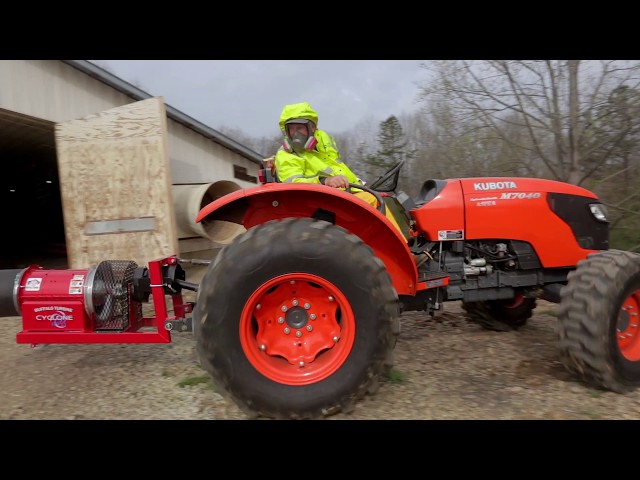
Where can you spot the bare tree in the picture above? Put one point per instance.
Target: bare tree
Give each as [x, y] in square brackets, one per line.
[356, 144]
[557, 103]
[265, 146]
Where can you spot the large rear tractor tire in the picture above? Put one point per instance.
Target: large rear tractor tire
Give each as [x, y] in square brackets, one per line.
[598, 327]
[500, 315]
[296, 319]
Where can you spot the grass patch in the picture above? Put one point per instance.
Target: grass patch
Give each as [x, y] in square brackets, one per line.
[396, 376]
[212, 387]
[548, 311]
[191, 381]
[591, 414]
[595, 394]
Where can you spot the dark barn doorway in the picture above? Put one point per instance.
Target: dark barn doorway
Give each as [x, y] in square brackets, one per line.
[30, 194]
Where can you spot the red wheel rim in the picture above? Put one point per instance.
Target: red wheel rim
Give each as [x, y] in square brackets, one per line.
[515, 302]
[628, 331]
[297, 329]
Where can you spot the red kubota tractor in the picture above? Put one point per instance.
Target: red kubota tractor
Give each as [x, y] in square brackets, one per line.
[298, 317]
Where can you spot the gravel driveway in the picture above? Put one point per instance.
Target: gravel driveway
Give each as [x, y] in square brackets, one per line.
[445, 369]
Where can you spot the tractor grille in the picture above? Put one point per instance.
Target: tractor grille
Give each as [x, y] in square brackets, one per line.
[110, 295]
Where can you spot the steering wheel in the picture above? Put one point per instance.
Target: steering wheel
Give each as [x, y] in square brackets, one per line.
[388, 175]
[382, 208]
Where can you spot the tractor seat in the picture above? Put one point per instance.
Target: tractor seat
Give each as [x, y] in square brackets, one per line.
[268, 174]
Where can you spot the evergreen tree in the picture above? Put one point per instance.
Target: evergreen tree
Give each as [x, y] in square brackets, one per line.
[393, 148]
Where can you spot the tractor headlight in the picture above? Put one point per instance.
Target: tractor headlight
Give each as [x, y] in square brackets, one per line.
[599, 211]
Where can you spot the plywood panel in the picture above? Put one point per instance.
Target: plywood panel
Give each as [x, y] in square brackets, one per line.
[115, 184]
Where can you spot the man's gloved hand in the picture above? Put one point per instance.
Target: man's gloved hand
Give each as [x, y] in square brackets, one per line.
[339, 181]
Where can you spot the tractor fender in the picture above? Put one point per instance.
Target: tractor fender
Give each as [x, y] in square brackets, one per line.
[275, 201]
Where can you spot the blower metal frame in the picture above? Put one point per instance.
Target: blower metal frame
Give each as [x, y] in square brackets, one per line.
[158, 327]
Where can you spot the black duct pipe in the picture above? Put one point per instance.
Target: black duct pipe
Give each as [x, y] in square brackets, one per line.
[8, 292]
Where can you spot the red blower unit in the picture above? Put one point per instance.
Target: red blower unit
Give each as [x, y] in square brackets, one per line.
[102, 304]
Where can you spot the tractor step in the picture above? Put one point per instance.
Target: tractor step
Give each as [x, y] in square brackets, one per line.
[432, 277]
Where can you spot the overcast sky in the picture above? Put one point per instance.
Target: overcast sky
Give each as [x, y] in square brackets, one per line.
[250, 94]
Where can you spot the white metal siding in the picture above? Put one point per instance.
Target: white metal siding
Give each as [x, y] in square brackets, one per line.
[54, 91]
[196, 159]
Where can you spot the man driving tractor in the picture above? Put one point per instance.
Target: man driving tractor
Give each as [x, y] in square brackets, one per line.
[310, 155]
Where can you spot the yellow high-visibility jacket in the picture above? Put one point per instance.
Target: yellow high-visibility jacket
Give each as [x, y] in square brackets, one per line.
[308, 166]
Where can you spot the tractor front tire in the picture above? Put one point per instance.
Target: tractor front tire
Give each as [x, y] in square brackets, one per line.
[598, 328]
[296, 319]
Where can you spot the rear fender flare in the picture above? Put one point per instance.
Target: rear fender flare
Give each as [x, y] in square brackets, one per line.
[254, 206]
